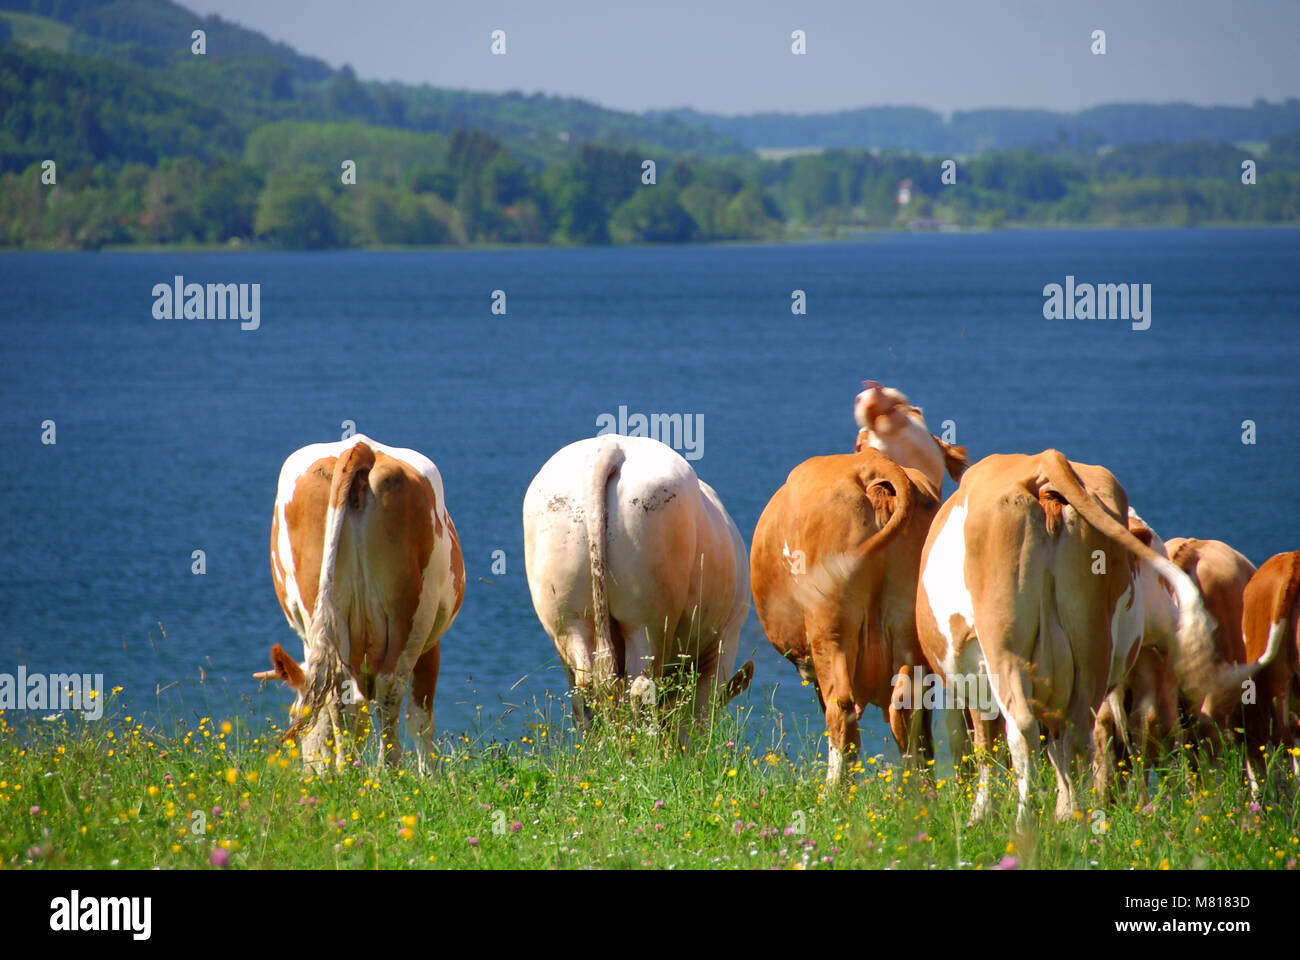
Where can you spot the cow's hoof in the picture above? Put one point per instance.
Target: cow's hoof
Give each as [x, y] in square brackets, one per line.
[643, 694]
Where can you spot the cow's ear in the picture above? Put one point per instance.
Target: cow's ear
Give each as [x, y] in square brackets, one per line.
[286, 668]
[1143, 533]
[954, 458]
[864, 440]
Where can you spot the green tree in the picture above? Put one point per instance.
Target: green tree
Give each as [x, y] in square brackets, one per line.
[295, 211]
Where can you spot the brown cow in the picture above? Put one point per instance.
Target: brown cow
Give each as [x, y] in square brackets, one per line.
[1271, 625]
[833, 568]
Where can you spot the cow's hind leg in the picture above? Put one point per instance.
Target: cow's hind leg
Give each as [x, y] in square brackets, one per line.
[909, 721]
[983, 731]
[1106, 743]
[419, 706]
[1022, 733]
[643, 666]
[833, 673]
[388, 700]
[1060, 751]
[576, 645]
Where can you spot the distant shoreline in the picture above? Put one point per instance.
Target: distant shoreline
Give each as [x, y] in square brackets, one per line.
[860, 235]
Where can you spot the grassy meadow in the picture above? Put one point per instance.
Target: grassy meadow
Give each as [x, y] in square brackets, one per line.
[114, 793]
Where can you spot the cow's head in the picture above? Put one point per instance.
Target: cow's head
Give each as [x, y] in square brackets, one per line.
[883, 410]
[340, 690]
[890, 423]
[289, 671]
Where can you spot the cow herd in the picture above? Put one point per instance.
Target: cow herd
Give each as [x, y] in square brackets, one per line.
[1035, 596]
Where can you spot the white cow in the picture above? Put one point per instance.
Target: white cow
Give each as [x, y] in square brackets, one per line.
[635, 568]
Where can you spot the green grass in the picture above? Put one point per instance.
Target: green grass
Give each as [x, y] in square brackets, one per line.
[114, 793]
[33, 31]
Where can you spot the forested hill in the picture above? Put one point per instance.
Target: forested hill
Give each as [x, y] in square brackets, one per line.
[254, 81]
[966, 133]
[113, 131]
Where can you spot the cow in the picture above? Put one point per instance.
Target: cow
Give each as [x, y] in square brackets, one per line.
[368, 570]
[635, 571]
[1159, 713]
[834, 563]
[888, 422]
[1271, 629]
[1139, 714]
[1221, 575]
[1030, 574]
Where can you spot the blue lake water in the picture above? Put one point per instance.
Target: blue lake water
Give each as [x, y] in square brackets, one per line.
[171, 433]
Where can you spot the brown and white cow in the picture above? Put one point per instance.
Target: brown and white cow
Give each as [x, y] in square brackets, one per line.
[1158, 712]
[1030, 574]
[1271, 627]
[368, 570]
[833, 566]
[1138, 716]
[1221, 575]
[635, 569]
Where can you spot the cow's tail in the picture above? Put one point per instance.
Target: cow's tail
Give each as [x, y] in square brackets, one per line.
[608, 458]
[326, 672]
[1195, 654]
[832, 573]
[882, 468]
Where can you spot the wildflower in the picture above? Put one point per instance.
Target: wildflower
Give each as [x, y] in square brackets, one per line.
[658, 805]
[220, 857]
[1008, 862]
[473, 841]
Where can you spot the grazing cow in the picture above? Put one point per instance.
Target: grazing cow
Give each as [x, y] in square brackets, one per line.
[1157, 710]
[1221, 574]
[368, 570]
[1271, 626]
[889, 423]
[635, 568]
[1030, 574]
[1140, 713]
[834, 565]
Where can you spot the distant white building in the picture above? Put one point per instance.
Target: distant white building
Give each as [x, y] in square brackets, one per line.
[904, 192]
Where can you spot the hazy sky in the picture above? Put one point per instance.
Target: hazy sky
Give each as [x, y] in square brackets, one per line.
[733, 56]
